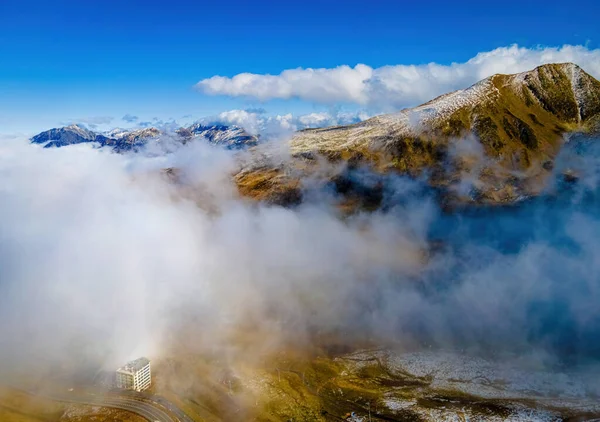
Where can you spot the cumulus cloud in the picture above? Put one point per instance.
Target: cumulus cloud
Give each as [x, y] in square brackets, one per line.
[294, 83]
[394, 85]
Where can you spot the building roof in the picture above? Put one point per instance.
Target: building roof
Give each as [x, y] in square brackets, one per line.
[135, 365]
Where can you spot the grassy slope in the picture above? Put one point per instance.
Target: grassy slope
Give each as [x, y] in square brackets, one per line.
[19, 407]
[322, 388]
[520, 125]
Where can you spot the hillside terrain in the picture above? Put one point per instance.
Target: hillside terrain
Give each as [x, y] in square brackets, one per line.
[16, 406]
[494, 142]
[379, 385]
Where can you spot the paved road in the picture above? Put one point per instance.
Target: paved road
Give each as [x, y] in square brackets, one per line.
[143, 409]
[161, 401]
[147, 410]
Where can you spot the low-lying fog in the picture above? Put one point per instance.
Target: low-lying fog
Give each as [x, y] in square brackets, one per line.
[103, 257]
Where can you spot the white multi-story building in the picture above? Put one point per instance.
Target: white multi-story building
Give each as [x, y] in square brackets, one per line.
[135, 375]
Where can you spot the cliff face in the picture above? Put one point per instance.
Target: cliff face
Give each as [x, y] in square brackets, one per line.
[503, 132]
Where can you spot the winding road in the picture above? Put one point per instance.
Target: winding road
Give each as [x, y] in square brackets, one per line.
[148, 406]
[159, 401]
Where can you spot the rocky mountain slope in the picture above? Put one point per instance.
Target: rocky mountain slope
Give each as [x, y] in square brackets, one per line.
[231, 137]
[501, 136]
[68, 135]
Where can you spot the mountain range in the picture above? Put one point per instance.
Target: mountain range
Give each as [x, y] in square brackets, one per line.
[492, 143]
[121, 140]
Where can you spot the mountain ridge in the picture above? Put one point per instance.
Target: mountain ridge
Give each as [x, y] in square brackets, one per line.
[492, 143]
[514, 126]
[121, 140]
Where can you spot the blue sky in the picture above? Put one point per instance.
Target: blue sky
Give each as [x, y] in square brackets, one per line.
[62, 60]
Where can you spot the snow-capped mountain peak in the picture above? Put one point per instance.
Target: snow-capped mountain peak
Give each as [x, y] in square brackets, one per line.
[230, 137]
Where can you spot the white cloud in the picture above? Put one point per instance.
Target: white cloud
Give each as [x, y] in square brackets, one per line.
[104, 228]
[398, 85]
[248, 120]
[258, 122]
[331, 83]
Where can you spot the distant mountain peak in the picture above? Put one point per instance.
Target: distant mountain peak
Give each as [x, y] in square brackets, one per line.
[68, 135]
[231, 137]
[234, 137]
